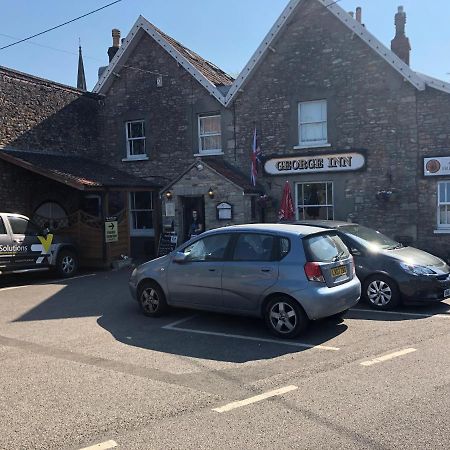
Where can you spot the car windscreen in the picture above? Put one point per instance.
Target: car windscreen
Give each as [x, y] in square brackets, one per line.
[369, 237]
[325, 247]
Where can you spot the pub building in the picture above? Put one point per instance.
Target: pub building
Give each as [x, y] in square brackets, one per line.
[357, 133]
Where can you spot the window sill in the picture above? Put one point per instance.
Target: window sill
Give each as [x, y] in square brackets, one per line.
[215, 153]
[442, 231]
[305, 146]
[139, 158]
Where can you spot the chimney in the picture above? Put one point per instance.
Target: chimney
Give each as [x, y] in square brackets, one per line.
[400, 44]
[116, 44]
[359, 14]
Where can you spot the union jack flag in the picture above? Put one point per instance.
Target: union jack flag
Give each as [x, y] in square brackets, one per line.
[256, 157]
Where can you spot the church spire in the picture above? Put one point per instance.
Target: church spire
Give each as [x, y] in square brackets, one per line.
[81, 79]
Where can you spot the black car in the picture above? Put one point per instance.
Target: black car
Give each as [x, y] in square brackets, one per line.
[391, 273]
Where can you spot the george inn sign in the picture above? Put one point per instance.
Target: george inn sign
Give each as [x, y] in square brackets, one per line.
[338, 162]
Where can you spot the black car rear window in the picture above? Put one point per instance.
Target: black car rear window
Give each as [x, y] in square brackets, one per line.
[325, 247]
[2, 227]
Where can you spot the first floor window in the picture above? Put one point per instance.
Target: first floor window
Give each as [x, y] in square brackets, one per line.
[315, 201]
[444, 205]
[141, 214]
[312, 123]
[210, 134]
[135, 132]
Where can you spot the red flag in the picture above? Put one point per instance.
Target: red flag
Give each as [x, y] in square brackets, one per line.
[256, 153]
[286, 211]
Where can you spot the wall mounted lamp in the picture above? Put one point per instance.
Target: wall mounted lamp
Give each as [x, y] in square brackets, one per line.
[168, 195]
[211, 193]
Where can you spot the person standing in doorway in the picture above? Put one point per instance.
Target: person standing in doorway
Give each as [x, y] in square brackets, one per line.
[196, 227]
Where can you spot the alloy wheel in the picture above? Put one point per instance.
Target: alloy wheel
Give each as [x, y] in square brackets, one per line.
[150, 300]
[68, 264]
[283, 317]
[379, 293]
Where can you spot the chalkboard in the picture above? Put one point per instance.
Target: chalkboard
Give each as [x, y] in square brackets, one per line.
[167, 243]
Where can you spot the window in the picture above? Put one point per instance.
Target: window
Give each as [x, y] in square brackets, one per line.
[210, 134]
[312, 123]
[315, 201]
[19, 225]
[285, 247]
[136, 140]
[325, 248]
[444, 205]
[51, 215]
[2, 227]
[92, 205]
[211, 248]
[254, 247]
[141, 214]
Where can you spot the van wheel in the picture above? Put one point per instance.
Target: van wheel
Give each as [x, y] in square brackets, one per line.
[285, 318]
[66, 263]
[152, 299]
[381, 292]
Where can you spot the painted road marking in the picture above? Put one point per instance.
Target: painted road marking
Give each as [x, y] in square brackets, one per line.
[173, 327]
[102, 446]
[256, 398]
[381, 359]
[394, 313]
[48, 282]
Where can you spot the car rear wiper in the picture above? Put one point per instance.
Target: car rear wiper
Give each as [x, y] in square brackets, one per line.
[395, 247]
[339, 256]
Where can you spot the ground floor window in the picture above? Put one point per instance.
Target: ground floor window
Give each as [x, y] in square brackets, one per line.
[444, 205]
[51, 215]
[141, 214]
[315, 201]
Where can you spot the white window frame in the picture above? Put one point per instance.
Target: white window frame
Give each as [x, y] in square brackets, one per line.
[312, 144]
[136, 232]
[327, 205]
[215, 151]
[142, 156]
[442, 202]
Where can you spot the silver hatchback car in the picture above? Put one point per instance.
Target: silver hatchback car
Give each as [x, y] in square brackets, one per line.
[286, 274]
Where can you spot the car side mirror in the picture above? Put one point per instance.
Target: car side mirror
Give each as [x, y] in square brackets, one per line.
[179, 258]
[45, 232]
[355, 252]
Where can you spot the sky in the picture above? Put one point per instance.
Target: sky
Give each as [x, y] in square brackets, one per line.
[226, 33]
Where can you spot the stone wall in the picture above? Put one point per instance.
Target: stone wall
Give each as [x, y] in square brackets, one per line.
[41, 115]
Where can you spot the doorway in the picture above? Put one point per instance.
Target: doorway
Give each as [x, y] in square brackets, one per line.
[188, 205]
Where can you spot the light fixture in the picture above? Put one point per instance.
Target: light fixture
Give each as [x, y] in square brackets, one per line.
[211, 193]
[168, 195]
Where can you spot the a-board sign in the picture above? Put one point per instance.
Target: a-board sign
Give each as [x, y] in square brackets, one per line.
[167, 243]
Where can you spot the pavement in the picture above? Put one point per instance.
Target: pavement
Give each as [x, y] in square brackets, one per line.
[81, 367]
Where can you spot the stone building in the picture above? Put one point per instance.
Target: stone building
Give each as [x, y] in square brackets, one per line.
[357, 133]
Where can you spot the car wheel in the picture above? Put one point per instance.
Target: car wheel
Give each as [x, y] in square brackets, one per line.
[381, 292]
[66, 263]
[152, 299]
[285, 318]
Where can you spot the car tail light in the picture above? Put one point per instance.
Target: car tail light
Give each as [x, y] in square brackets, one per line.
[313, 272]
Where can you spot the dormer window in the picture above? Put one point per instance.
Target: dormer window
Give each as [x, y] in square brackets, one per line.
[135, 134]
[209, 134]
[312, 124]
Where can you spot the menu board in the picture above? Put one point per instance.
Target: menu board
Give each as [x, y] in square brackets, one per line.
[167, 243]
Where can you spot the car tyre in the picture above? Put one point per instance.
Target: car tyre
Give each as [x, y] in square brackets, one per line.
[152, 299]
[381, 292]
[285, 318]
[66, 263]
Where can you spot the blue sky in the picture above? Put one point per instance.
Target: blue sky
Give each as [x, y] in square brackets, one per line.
[227, 33]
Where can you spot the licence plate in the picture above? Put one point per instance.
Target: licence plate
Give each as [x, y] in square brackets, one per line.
[342, 270]
[447, 293]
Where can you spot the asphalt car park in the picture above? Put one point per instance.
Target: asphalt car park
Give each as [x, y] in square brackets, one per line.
[81, 366]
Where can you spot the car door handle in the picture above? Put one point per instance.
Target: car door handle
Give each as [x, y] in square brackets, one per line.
[18, 241]
[212, 270]
[266, 270]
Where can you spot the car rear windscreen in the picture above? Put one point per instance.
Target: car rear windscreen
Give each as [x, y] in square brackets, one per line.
[325, 247]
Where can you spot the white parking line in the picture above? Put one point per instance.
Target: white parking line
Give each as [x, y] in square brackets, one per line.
[388, 357]
[395, 313]
[102, 446]
[256, 398]
[173, 326]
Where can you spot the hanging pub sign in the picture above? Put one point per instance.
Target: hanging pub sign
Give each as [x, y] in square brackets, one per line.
[339, 162]
[436, 166]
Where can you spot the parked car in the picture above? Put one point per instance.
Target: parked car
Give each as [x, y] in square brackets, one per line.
[287, 275]
[25, 247]
[391, 273]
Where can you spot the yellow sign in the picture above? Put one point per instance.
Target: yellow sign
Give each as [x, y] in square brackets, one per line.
[111, 231]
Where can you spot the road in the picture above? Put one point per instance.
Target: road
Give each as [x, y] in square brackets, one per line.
[81, 368]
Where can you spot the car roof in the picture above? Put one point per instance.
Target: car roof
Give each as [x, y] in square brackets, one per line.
[324, 223]
[293, 229]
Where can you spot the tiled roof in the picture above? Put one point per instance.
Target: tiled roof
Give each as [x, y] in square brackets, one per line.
[213, 73]
[80, 173]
